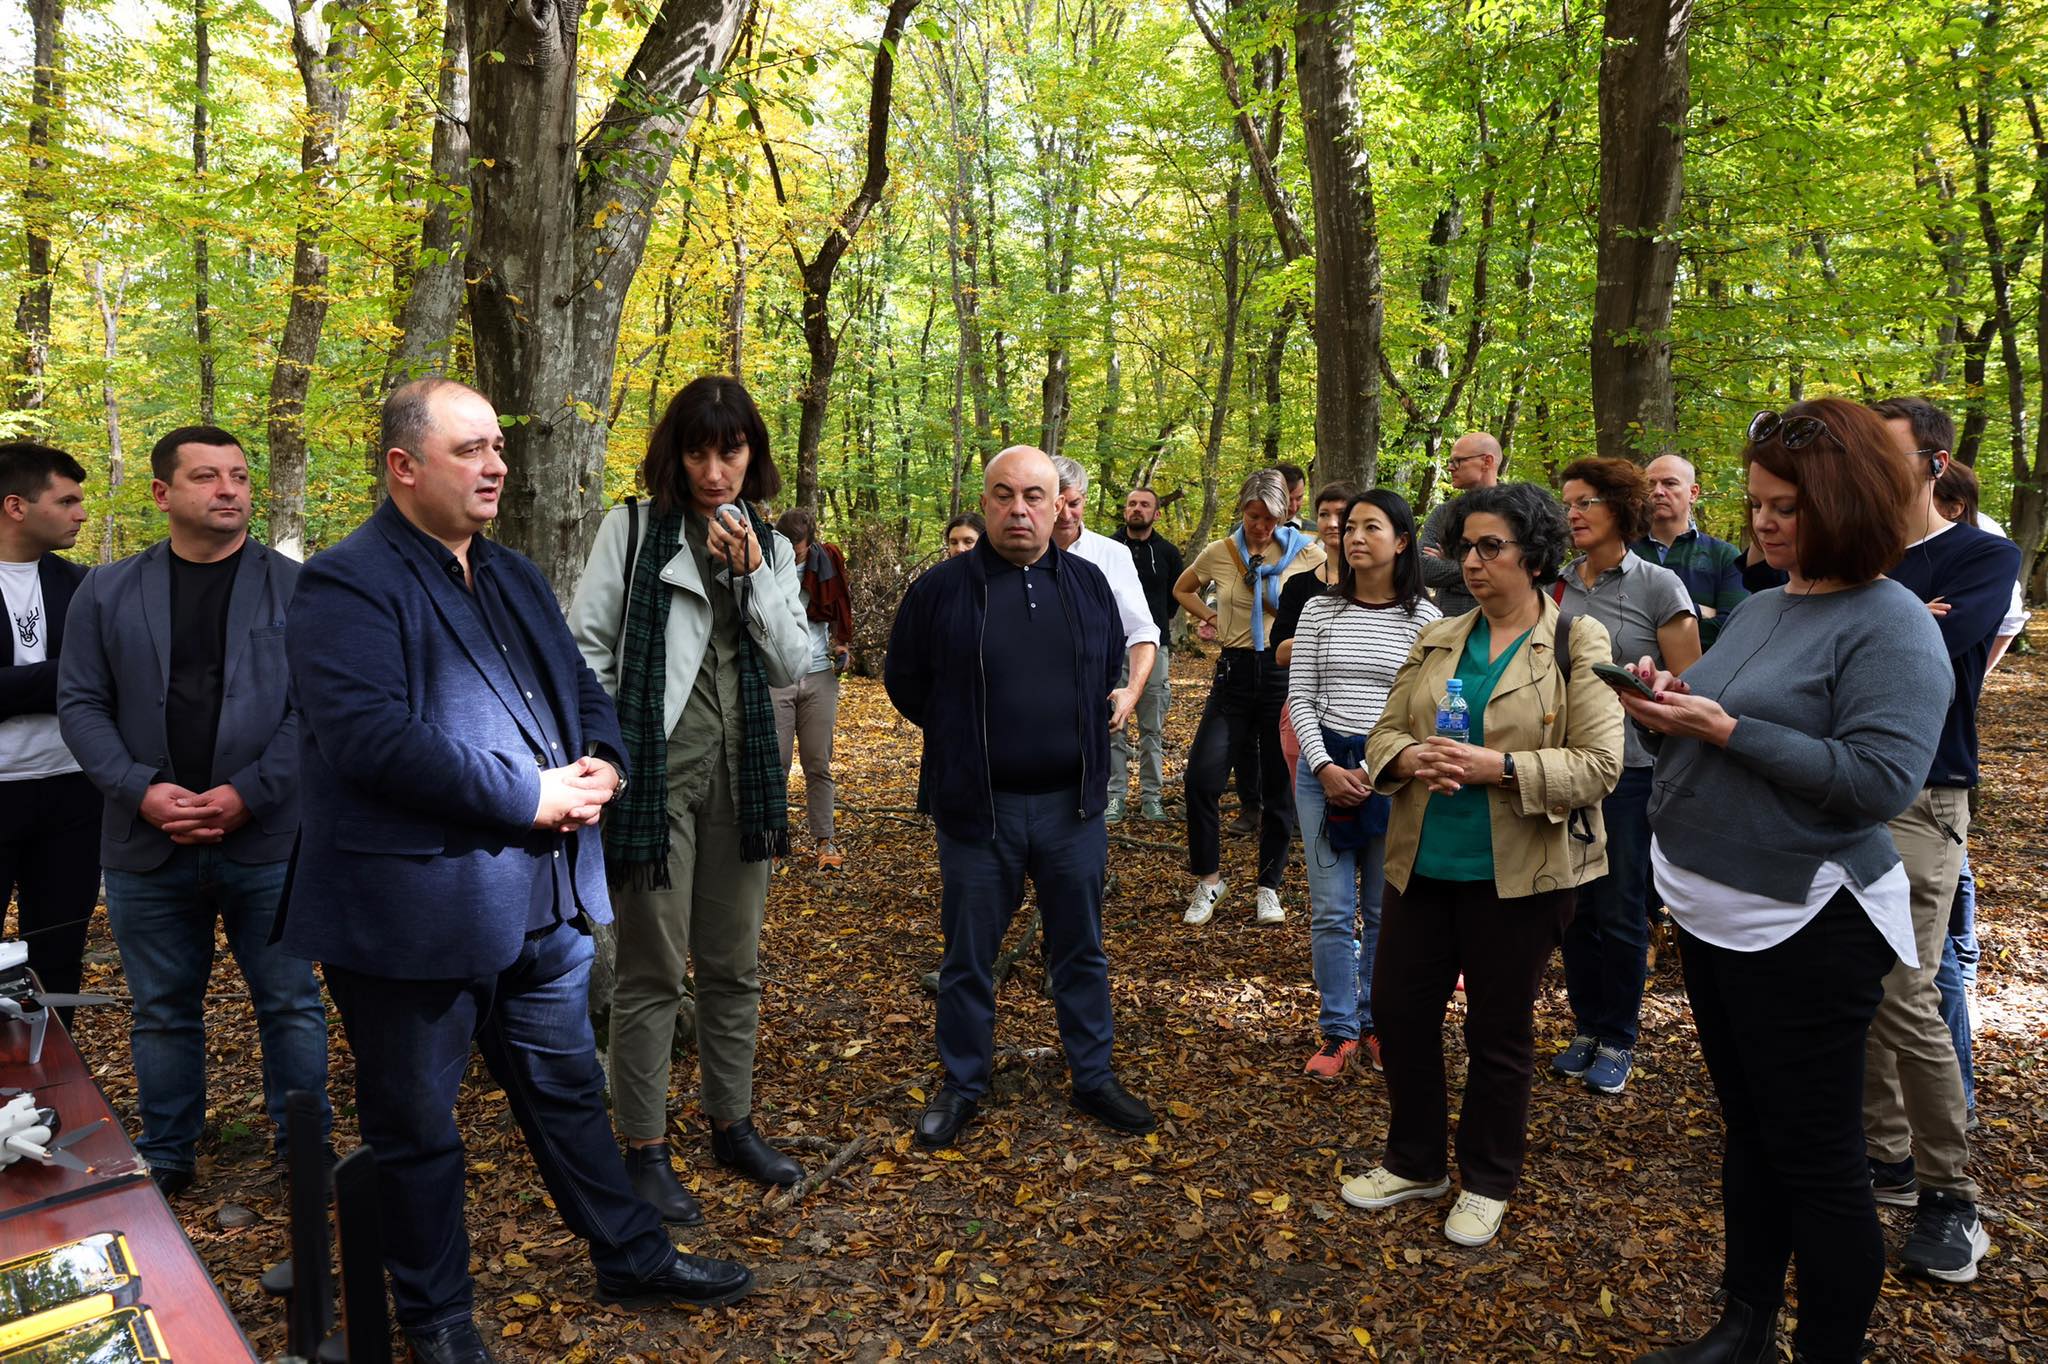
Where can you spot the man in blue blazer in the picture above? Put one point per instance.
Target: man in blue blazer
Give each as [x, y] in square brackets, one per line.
[457, 752]
[172, 695]
[49, 812]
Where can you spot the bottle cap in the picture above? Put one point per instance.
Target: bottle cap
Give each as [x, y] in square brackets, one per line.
[1455, 685]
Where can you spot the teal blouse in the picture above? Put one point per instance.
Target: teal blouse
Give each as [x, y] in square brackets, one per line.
[1457, 830]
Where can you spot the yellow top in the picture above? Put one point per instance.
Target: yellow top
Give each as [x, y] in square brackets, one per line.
[1218, 564]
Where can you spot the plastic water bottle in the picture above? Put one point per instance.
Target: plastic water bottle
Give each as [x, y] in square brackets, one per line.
[1453, 716]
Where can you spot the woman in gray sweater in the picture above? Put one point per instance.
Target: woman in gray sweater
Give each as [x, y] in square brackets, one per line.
[1779, 759]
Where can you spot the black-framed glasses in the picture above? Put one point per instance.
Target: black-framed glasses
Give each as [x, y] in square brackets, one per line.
[1794, 433]
[1488, 546]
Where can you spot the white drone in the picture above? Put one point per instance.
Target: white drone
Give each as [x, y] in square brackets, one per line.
[30, 1133]
[22, 1003]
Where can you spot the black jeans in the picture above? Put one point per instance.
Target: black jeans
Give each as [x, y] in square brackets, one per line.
[1245, 702]
[50, 860]
[1783, 1031]
[412, 1041]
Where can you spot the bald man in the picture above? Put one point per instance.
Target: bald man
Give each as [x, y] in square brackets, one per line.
[1474, 463]
[1711, 569]
[1006, 657]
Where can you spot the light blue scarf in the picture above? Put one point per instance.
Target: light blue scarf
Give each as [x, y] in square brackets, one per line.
[1264, 578]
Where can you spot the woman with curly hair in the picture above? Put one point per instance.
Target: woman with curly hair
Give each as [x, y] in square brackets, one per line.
[1486, 845]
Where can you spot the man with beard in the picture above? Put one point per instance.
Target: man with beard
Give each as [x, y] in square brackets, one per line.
[1158, 563]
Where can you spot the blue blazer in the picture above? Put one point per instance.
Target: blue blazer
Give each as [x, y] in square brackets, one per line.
[417, 852]
[31, 688]
[112, 681]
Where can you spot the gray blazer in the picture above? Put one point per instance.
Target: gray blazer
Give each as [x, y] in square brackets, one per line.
[111, 685]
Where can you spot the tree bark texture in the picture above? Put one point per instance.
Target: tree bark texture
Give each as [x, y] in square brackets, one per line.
[32, 310]
[110, 337]
[432, 308]
[1348, 305]
[321, 74]
[819, 338]
[1644, 94]
[202, 270]
[557, 232]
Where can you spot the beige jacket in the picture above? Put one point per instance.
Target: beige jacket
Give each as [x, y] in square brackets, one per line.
[1566, 740]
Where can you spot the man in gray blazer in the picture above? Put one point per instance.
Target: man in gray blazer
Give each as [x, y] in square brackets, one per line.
[171, 693]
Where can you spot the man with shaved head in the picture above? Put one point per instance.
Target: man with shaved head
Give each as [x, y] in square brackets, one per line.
[1711, 569]
[1474, 463]
[1005, 657]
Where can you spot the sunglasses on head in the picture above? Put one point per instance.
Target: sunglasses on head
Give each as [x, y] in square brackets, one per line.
[1794, 433]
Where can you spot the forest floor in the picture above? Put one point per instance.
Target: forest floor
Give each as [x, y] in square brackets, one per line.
[1045, 1236]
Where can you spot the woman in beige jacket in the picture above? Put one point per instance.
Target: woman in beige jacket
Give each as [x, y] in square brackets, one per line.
[1485, 846]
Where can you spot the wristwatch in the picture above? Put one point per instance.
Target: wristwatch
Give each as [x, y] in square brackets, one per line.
[1507, 770]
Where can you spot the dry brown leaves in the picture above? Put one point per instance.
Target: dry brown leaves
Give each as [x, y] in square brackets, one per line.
[1221, 1236]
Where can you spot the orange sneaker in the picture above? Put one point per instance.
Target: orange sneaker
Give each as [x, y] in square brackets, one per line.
[1372, 1049]
[829, 859]
[1331, 1058]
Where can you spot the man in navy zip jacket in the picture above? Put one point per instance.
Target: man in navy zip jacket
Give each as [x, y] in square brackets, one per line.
[1913, 1108]
[1005, 657]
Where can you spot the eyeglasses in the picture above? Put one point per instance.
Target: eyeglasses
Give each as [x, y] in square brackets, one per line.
[1488, 547]
[1455, 460]
[1794, 433]
[1584, 503]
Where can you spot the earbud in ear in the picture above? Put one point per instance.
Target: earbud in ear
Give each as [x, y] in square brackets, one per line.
[1936, 464]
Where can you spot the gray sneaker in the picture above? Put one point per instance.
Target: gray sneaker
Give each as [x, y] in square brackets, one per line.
[1154, 809]
[1115, 813]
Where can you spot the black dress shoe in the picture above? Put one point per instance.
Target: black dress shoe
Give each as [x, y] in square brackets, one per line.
[742, 1148]
[654, 1180]
[944, 1116]
[1744, 1335]
[688, 1280]
[1117, 1106]
[458, 1343]
[171, 1180]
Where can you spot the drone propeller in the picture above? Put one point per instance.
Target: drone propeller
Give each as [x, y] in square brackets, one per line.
[72, 1001]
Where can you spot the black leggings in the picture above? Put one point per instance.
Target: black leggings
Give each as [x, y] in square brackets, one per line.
[1245, 703]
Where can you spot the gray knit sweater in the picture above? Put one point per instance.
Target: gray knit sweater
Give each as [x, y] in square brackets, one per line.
[1838, 700]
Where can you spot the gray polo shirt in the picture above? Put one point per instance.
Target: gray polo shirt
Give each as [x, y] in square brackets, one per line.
[1631, 599]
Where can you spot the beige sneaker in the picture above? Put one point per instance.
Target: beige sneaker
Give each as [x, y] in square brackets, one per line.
[1474, 1219]
[1270, 911]
[1380, 1187]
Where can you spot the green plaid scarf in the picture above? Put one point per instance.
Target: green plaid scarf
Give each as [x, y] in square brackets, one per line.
[636, 830]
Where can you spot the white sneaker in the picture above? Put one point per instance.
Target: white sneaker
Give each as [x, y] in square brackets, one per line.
[1202, 903]
[1269, 907]
[1474, 1219]
[1380, 1187]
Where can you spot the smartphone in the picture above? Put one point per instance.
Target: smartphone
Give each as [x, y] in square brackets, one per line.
[127, 1336]
[54, 1289]
[1619, 678]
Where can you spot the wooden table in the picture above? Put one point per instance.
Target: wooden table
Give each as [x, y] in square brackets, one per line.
[47, 1205]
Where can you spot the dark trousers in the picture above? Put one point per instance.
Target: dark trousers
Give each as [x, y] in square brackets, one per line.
[1431, 934]
[411, 1040]
[1783, 1034]
[1607, 947]
[1045, 838]
[1246, 697]
[50, 862]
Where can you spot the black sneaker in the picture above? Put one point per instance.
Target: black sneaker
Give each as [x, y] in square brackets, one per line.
[1893, 1182]
[1947, 1241]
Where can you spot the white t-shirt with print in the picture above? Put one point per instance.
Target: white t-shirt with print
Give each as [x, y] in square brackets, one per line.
[30, 745]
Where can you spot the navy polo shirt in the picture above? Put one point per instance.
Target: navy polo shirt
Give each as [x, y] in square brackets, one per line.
[1029, 658]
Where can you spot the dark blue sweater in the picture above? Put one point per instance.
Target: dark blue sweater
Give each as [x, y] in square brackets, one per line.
[938, 676]
[1973, 571]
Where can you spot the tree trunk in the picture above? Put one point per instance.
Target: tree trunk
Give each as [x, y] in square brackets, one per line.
[1219, 407]
[1644, 75]
[1271, 372]
[110, 334]
[819, 338]
[320, 72]
[433, 305]
[32, 311]
[1348, 304]
[558, 234]
[1112, 374]
[202, 315]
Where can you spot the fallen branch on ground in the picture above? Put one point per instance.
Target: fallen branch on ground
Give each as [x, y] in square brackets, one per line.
[848, 1153]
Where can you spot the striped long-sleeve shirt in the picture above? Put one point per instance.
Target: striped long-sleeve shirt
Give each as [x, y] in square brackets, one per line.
[1346, 656]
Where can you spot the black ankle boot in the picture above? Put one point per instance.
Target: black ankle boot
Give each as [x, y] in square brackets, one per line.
[742, 1148]
[1744, 1335]
[654, 1180]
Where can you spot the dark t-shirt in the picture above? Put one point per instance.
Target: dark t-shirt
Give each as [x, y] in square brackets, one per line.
[199, 638]
[1029, 658]
[1295, 593]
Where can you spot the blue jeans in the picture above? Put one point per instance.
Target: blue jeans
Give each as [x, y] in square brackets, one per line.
[163, 924]
[1344, 914]
[1606, 949]
[982, 884]
[531, 1021]
[1957, 978]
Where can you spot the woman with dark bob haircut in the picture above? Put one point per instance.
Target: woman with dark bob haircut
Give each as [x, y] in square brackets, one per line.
[1647, 611]
[690, 637]
[1486, 844]
[1780, 757]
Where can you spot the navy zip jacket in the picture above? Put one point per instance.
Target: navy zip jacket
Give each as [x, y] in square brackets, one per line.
[934, 676]
[1974, 571]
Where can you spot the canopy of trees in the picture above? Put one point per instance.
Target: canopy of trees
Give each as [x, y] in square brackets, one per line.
[1173, 238]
